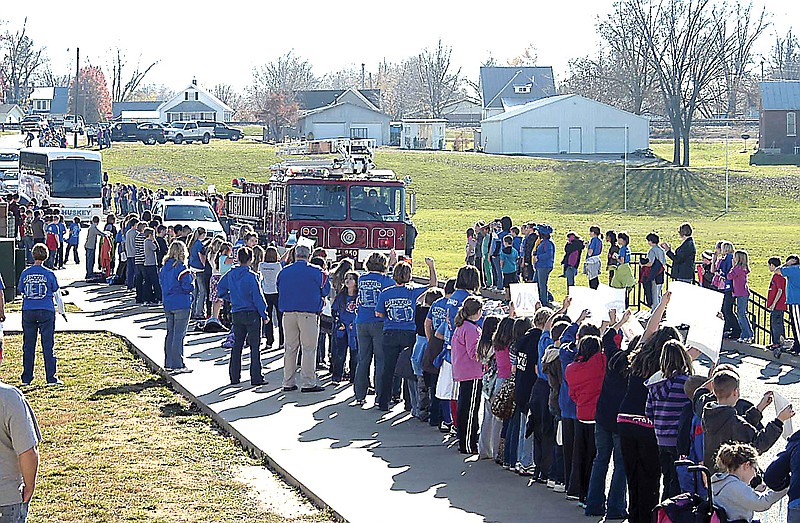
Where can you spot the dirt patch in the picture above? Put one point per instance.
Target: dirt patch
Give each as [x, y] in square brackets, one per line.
[278, 498]
[158, 177]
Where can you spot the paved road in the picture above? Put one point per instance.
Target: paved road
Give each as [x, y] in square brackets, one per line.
[366, 465]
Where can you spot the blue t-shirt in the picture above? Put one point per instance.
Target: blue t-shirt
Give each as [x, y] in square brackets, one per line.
[397, 304]
[194, 255]
[370, 286]
[792, 275]
[596, 246]
[438, 313]
[62, 230]
[74, 233]
[52, 228]
[624, 254]
[509, 260]
[454, 302]
[37, 285]
[517, 243]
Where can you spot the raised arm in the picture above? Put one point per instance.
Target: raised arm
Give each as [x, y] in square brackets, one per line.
[432, 279]
[656, 317]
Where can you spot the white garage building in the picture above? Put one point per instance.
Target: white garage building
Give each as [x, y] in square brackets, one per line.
[349, 115]
[565, 124]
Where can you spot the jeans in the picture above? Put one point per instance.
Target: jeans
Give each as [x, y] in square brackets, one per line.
[152, 288]
[568, 445]
[246, 324]
[639, 449]
[510, 453]
[394, 341]
[272, 305]
[27, 244]
[130, 273]
[370, 343]
[666, 458]
[525, 445]
[731, 322]
[177, 324]
[89, 263]
[138, 282]
[793, 515]
[439, 411]
[199, 296]
[74, 248]
[607, 444]
[16, 513]
[656, 290]
[570, 273]
[35, 323]
[60, 255]
[497, 274]
[339, 348]
[741, 316]
[542, 275]
[413, 393]
[776, 327]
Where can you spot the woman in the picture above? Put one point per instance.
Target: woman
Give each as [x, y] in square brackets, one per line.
[468, 373]
[343, 311]
[197, 264]
[724, 266]
[269, 270]
[176, 290]
[613, 251]
[543, 260]
[738, 466]
[683, 267]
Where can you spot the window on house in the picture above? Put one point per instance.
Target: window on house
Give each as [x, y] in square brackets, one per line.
[522, 89]
[791, 124]
[357, 133]
[195, 96]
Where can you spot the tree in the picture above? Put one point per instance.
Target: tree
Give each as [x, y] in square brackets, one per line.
[784, 59]
[94, 99]
[439, 85]
[122, 90]
[21, 61]
[527, 58]
[271, 95]
[229, 96]
[278, 110]
[399, 85]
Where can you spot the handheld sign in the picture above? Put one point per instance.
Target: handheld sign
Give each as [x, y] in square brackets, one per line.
[691, 304]
[706, 337]
[780, 404]
[524, 296]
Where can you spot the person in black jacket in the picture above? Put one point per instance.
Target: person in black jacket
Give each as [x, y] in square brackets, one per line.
[683, 267]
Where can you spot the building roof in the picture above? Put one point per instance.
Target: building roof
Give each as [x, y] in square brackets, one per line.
[60, 102]
[497, 83]
[7, 108]
[314, 99]
[780, 96]
[42, 93]
[550, 100]
[191, 106]
[117, 108]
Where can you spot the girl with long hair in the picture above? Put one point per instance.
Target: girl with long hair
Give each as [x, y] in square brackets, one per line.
[741, 293]
[467, 372]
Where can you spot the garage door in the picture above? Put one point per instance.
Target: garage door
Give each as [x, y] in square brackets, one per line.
[367, 130]
[328, 130]
[540, 140]
[609, 140]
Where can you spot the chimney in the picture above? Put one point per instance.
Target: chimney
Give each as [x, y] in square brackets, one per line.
[194, 80]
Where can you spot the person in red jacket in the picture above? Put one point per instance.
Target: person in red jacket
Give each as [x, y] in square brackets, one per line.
[585, 379]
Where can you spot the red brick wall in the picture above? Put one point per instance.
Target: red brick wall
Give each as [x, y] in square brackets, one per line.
[773, 132]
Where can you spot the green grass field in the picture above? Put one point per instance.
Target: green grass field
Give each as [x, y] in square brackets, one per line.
[456, 189]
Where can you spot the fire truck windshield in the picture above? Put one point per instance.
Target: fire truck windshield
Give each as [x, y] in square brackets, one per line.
[317, 202]
[376, 203]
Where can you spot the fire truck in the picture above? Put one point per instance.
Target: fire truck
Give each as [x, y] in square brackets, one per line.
[347, 212]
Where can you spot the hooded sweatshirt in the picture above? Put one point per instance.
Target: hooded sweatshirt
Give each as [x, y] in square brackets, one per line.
[665, 402]
[242, 287]
[722, 424]
[176, 285]
[785, 471]
[738, 499]
[585, 379]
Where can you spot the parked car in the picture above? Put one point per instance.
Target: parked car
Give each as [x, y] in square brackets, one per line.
[73, 123]
[149, 133]
[222, 131]
[33, 123]
[9, 171]
[188, 210]
[179, 132]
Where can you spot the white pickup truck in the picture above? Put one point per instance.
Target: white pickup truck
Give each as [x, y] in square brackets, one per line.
[179, 132]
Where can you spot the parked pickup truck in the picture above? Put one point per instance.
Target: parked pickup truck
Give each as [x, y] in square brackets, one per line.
[33, 123]
[179, 132]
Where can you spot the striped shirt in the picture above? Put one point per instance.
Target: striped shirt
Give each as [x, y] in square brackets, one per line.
[665, 402]
[138, 249]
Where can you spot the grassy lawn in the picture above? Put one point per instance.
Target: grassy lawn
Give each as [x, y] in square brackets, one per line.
[120, 446]
[456, 189]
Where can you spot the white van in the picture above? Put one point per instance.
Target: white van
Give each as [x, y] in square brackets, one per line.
[73, 123]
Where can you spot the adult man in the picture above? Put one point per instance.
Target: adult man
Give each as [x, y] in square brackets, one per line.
[301, 289]
[91, 245]
[19, 455]
[130, 252]
[373, 206]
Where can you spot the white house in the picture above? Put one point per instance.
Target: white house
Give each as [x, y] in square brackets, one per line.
[50, 101]
[349, 115]
[422, 133]
[565, 124]
[195, 103]
[10, 113]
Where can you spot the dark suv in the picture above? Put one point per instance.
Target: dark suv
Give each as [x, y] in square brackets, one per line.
[222, 131]
[149, 133]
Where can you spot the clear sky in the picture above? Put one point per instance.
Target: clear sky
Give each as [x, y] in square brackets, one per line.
[221, 42]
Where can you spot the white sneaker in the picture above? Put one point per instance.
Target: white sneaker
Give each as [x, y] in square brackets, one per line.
[560, 488]
[182, 370]
[551, 483]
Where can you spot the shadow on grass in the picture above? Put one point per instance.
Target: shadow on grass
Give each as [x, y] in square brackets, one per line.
[174, 409]
[131, 388]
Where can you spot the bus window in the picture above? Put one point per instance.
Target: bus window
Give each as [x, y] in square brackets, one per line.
[75, 178]
[317, 202]
[375, 203]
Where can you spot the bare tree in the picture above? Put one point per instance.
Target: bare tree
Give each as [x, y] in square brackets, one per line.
[347, 78]
[399, 85]
[151, 93]
[527, 58]
[122, 90]
[785, 57]
[439, 84]
[21, 62]
[229, 96]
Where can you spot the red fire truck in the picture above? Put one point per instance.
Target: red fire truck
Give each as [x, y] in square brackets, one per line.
[349, 215]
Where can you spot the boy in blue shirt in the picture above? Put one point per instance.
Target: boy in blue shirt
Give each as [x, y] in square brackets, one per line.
[508, 264]
[593, 250]
[791, 271]
[72, 240]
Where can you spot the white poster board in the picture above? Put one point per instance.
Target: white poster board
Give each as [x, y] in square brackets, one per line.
[614, 298]
[599, 302]
[524, 296]
[706, 336]
[631, 328]
[308, 242]
[691, 304]
[780, 403]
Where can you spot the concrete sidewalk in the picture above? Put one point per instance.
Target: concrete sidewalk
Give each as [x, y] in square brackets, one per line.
[364, 465]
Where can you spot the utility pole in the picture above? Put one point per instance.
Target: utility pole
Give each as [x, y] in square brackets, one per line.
[625, 169]
[727, 166]
[75, 101]
[362, 76]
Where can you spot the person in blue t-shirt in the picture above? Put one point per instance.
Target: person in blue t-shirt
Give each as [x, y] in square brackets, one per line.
[369, 327]
[62, 236]
[37, 285]
[508, 264]
[437, 317]
[593, 250]
[72, 240]
[791, 271]
[197, 264]
[396, 306]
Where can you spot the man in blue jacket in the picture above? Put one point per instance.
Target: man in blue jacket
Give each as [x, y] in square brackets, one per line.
[241, 287]
[301, 291]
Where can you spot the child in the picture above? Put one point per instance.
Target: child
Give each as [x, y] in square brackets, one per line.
[738, 277]
[593, 251]
[420, 319]
[439, 411]
[665, 401]
[467, 372]
[690, 440]
[219, 267]
[508, 264]
[152, 288]
[470, 247]
[543, 261]
[491, 427]
[161, 243]
[705, 270]
[737, 464]
[343, 311]
[623, 274]
[612, 259]
[584, 378]
[72, 240]
[791, 271]
[776, 303]
[62, 233]
[517, 452]
[785, 472]
[269, 270]
[715, 403]
[572, 257]
[51, 240]
[551, 365]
